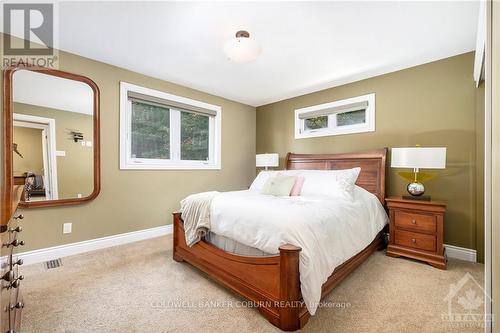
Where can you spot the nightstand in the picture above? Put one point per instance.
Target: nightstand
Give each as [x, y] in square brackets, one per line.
[416, 230]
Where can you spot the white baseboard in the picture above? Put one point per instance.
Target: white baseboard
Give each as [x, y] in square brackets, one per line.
[461, 253]
[41, 255]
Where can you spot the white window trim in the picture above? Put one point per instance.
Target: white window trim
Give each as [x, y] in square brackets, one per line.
[128, 163]
[368, 126]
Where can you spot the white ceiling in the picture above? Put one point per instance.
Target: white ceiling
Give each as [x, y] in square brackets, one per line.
[306, 46]
[53, 92]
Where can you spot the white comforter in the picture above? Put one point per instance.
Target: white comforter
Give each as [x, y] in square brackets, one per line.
[329, 230]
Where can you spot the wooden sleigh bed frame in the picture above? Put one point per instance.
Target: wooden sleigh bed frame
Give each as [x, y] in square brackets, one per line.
[273, 282]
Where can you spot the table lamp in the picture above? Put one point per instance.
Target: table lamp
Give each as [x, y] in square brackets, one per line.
[417, 158]
[267, 160]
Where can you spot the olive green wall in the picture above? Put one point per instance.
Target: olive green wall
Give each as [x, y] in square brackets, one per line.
[432, 105]
[29, 144]
[134, 200]
[75, 171]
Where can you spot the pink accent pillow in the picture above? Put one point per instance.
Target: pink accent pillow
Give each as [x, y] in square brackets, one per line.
[297, 187]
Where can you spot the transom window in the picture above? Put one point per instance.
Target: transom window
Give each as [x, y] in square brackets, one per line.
[352, 115]
[164, 131]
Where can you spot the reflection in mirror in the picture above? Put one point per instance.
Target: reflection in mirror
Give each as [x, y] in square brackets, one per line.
[52, 137]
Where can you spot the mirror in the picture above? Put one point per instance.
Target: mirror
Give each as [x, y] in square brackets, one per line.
[54, 137]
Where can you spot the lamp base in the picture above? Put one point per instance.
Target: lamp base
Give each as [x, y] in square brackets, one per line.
[420, 198]
[415, 188]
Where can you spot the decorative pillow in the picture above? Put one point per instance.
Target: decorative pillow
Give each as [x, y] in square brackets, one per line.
[299, 182]
[279, 186]
[297, 187]
[261, 179]
[332, 183]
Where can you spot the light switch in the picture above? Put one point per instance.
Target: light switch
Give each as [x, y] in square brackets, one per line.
[67, 228]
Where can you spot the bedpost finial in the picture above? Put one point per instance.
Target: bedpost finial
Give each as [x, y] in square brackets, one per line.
[289, 248]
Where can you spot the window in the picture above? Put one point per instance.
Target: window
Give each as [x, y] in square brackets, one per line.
[352, 115]
[164, 131]
[150, 131]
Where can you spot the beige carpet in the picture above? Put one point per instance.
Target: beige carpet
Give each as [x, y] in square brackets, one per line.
[132, 288]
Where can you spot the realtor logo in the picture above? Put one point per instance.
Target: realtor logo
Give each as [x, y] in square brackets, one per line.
[29, 34]
[466, 300]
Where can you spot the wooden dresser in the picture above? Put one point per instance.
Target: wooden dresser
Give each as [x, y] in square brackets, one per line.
[11, 303]
[416, 230]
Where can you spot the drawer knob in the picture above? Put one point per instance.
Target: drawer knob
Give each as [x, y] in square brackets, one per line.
[413, 240]
[18, 217]
[413, 221]
[14, 243]
[17, 282]
[19, 262]
[17, 229]
[18, 305]
[8, 276]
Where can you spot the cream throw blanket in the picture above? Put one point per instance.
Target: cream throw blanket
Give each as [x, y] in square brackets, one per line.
[195, 212]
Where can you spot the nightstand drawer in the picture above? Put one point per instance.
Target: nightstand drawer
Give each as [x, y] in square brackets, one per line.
[415, 240]
[413, 221]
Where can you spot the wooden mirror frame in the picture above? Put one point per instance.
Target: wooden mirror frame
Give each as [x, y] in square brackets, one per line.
[8, 129]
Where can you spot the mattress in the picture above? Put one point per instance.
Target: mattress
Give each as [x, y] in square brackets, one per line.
[230, 245]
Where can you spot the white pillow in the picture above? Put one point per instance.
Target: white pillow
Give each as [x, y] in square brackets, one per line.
[332, 183]
[293, 172]
[261, 179]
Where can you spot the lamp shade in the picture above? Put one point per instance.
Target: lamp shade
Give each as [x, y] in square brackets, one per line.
[267, 160]
[419, 158]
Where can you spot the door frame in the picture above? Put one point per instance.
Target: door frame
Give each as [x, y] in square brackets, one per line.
[492, 166]
[49, 146]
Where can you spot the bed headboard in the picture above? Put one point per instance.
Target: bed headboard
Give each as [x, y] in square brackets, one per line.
[372, 164]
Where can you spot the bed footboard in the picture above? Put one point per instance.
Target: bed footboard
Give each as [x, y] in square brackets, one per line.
[272, 282]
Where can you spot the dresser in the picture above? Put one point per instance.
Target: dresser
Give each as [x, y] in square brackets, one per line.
[416, 230]
[11, 300]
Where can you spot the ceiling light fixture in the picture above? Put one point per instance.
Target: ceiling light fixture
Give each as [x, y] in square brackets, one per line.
[242, 48]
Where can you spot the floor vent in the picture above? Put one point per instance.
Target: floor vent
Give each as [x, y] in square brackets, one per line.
[53, 263]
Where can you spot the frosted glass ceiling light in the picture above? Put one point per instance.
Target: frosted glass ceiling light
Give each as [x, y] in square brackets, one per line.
[242, 48]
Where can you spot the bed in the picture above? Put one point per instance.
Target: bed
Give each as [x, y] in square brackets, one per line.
[272, 281]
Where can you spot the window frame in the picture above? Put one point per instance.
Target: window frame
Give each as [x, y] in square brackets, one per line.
[174, 162]
[333, 129]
